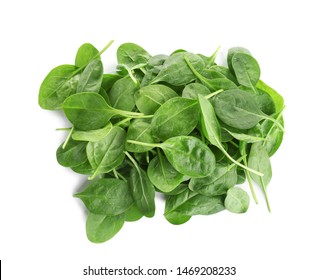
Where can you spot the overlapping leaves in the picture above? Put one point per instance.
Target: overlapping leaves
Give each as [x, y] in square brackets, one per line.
[176, 124]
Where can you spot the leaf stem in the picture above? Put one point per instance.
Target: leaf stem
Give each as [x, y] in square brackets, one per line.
[275, 122]
[68, 137]
[247, 174]
[63, 129]
[104, 49]
[154, 145]
[241, 165]
[213, 57]
[213, 94]
[123, 121]
[271, 129]
[133, 161]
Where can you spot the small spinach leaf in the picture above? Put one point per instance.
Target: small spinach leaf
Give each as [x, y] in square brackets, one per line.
[177, 116]
[237, 200]
[91, 78]
[101, 228]
[149, 98]
[107, 154]
[107, 196]
[85, 54]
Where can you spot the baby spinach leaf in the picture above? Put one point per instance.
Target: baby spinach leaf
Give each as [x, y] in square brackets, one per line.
[108, 81]
[121, 94]
[60, 83]
[139, 130]
[72, 155]
[87, 111]
[201, 205]
[149, 98]
[153, 67]
[218, 182]
[84, 168]
[101, 228]
[106, 154]
[85, 54]
[191, 91]
[276, 97]
[177, 116]
[107, 196]
[175, 70]
[171, 205]
[246, 69]
[133, 214]
[211, 84]
[238, 109]
[232, 52]
[237, 200]
[249, 138]
[225, 72]
[260, 161]
[143, 191]
[132, 56]
[189, 156]
[163, 175]
[92, 135]
[180, 188]
[91, 78]
[273, 135]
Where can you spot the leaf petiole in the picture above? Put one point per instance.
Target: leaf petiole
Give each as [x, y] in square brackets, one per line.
[68, 137]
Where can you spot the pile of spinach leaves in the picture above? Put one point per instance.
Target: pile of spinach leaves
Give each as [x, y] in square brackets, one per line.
[180, 125]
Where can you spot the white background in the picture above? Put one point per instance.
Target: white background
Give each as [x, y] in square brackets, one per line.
[42, 227]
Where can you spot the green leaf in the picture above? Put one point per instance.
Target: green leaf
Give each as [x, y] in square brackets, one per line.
[91, 78]
[246, 69]
[175, 70]
[177, 116]
[143, 191]
[139, 130]
[121, 95]
[232, 52]
[218, 182]
[277, 98]
[192, 91]
[133, 214]
[132, 56]
[273, 135]
[101, 228]
[237, 200]
[85, 54]
[238, 109]
[260, 161]
[202, 205]
[72, 155]
[107, 196]
[108, 153]
[87, 111]
[92, 135]
[171, 205]
[149, 98]
[108, 81]
[189, 156]
[60, 83]
[163, 175]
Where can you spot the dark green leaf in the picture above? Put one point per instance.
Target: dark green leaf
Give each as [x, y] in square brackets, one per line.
[107, 196]
[101, 228]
